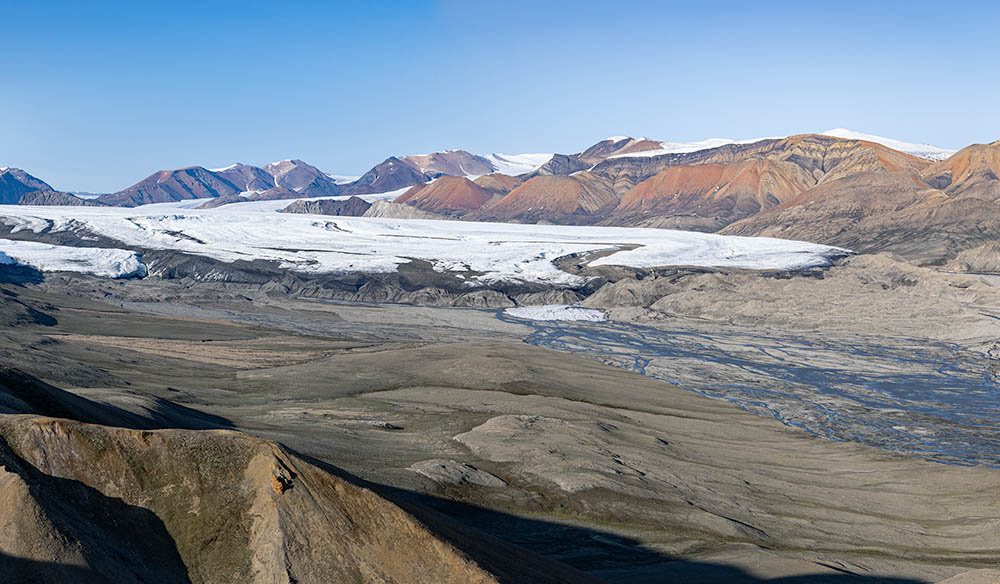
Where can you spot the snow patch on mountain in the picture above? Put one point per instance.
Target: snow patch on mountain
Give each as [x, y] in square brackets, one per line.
[927, 151]
[686, 147]
[515, 164]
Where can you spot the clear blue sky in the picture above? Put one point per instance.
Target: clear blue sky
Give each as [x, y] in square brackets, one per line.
[96, 97]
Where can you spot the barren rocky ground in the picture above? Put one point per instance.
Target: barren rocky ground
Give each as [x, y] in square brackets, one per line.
[568, 453]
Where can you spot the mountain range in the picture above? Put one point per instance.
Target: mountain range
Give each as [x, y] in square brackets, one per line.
[20, 188]
[839, 187]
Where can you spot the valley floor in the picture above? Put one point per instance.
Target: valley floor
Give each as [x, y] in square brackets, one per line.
[612, 472]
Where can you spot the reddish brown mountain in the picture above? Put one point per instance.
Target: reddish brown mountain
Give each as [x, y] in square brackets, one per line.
[164, 186]
[449, 162]
[881, 211]
[822, 157]
[498, 184]
[733, 182]
[616, 145]
[972, 172]
[564, 199]
[928, 215]
[386, 176]
[302, 178]
[246, 177]
[719, 191]
[395, 173]
[285, 179]
[562, 164]
[447, 195]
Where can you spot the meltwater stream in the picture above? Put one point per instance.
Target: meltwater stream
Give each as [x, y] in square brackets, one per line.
[923, 397]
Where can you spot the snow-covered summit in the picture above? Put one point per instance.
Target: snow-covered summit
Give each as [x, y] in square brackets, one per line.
[928, 151]
[685, 147]
[225, 168]
[515, 164]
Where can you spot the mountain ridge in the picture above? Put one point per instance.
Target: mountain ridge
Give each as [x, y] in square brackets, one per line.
[17, 187]
[402, 171]
[798, 186]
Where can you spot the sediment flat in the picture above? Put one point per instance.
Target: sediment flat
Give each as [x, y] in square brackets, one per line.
[610, 471]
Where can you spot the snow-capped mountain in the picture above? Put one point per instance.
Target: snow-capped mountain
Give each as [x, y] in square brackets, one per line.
[449, 162]
[798, 186]
[397, 172]
[293, 178]
[283, 179]
[463, 163]
[684, 147]
[292, 174]
[928, 151]
[247, 178]
[516, 164]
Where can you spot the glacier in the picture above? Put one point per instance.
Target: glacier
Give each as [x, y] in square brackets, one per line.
[550, 312]
[481, 252]
[97, 261]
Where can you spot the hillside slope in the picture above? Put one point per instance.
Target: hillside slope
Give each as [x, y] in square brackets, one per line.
[553, 199]
[927, 215]
[95, 503]
[447, 195]
[164, 186]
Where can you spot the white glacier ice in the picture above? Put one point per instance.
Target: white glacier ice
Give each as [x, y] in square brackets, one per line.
[489, 251]
[556, 312]
[927, 151]
[99, 261]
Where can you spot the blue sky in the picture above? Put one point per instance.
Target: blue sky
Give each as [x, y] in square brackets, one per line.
[96, 97]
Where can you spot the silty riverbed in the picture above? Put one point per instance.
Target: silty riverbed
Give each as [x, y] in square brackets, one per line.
[927, 398]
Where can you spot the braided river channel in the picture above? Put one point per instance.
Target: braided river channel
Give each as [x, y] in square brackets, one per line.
[927, 398]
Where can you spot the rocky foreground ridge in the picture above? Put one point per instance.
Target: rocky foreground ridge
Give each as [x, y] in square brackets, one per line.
[114, 496]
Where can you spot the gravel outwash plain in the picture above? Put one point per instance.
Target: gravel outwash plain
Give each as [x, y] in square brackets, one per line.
[593, 466]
